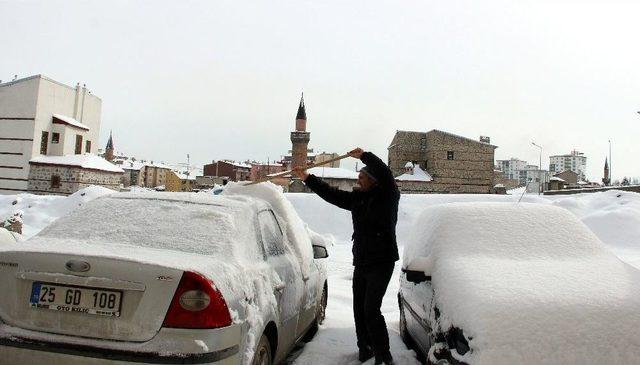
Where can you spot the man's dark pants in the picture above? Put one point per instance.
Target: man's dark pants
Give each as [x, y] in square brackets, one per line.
[369, 285]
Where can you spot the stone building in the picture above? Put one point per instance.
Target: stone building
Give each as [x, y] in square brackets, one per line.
[133, 173]
[42, 117]
[414, 179]
[457, 164]
[64, 175]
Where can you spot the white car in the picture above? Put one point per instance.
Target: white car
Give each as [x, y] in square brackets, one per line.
[171, 278]
[504, 283]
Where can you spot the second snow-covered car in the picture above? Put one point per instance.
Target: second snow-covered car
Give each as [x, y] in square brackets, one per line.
[504, 283]
[163, 278]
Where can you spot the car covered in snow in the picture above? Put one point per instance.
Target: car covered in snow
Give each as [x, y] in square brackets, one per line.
[164, 278]
[506, 283]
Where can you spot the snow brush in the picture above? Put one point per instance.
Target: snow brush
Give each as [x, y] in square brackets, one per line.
[288, 172]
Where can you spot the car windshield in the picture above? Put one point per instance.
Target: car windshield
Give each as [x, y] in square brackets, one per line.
[176, 225]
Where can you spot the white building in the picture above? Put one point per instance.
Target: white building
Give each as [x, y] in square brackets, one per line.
[511, 167]
[40, 116]
[575, 161]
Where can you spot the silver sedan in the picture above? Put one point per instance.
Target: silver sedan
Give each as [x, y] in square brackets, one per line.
[162, 278]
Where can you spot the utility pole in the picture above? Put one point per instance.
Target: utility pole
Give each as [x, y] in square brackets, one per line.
[540, 186]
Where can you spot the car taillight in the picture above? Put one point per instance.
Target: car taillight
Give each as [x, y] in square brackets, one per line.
[197, 303]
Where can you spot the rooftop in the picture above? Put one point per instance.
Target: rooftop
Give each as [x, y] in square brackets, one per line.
[86, 161]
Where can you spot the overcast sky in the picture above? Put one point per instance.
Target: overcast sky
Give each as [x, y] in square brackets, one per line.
[222, 79]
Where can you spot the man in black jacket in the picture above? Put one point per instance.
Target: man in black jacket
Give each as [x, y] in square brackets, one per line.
[374, 211]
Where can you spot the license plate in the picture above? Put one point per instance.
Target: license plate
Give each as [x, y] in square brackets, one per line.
[102, 302]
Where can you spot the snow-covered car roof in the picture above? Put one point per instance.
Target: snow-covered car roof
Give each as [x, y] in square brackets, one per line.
[186, 222]
[528, 281]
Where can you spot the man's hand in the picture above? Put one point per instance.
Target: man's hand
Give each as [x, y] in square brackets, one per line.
[356, 153]
[300, 173]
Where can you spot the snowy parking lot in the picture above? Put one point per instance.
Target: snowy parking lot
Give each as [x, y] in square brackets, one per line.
[614, 216]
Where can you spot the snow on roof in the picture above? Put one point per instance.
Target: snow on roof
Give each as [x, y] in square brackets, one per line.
[409, 164]
[158, 165]
[63, 119]
[132, 165]
[333, 173]
[555, 178]
[538, 286]
[418, 175]
[182, 175]
[86, 161]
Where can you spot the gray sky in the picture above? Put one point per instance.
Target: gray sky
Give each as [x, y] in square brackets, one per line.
[222, 79]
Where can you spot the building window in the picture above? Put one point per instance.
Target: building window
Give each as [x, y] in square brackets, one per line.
[78, 144]
[88, 147]
[449, 155]
[55, 181]
[55, 138]
[44, 143]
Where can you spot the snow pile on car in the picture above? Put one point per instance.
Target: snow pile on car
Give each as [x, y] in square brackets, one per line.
[294, 230]
[528, 282]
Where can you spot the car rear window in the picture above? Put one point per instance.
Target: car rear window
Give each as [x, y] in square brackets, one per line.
[175, 225]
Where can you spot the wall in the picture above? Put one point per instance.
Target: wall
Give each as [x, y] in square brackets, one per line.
[72, 179]
[74, 102]
[154, 176]
[634, 188]
[17, 120]
[470, 171]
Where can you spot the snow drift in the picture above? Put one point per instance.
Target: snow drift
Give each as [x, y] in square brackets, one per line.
[528, 282]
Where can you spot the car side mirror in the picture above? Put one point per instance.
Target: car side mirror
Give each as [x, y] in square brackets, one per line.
[416, 277]
[320, 252]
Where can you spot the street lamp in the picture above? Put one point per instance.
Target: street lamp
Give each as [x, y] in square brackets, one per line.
[540, 186]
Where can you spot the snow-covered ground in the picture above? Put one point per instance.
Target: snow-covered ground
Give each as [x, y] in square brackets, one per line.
[614, 216]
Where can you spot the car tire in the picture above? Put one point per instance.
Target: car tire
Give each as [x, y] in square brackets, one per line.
[402, 326]
[320, 316]
[322, 308]
[262, 356]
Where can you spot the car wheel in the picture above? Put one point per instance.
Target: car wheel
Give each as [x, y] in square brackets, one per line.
[404, 334]
[320, 315]
[262, 356]
[322, 308]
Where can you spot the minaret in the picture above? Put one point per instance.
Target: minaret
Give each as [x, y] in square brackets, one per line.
[300, 137]
[108, 152]
[606, 180]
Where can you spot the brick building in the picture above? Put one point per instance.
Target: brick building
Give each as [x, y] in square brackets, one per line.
[234, 171]
[457, 164]
[260, 170]
[64, 175]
